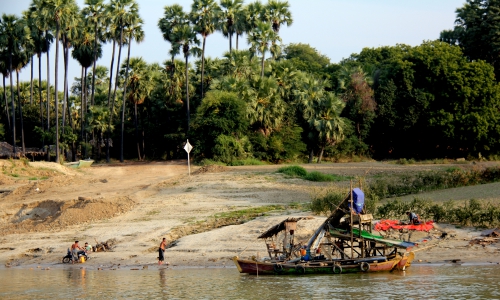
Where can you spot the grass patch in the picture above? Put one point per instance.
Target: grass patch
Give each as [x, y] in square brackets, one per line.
[153, 212]
[208, 162]
[248, 162]
[33, 178]
[298, 171]
[294, 171]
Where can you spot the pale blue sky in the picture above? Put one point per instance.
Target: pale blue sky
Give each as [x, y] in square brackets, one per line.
[336, 28]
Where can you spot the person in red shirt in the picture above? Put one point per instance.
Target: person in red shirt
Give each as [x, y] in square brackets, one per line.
[75, 250]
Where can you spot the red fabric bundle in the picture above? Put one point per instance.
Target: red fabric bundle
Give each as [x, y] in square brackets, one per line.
[385, 225]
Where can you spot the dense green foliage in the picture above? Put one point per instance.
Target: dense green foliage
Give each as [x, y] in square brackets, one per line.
[433, 180]
[272, 102]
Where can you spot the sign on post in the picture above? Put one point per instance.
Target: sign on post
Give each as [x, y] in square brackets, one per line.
[188, 148]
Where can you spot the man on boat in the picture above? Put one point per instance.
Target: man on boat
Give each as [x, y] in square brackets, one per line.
[414, 218]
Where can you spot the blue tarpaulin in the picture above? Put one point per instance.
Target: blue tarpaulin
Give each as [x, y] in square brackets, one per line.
[358, 198]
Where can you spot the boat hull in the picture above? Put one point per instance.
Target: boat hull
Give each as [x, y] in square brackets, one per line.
[281, 268]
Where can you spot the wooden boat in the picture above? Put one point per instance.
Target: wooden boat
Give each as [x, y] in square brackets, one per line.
[342, 244]
[80, 164]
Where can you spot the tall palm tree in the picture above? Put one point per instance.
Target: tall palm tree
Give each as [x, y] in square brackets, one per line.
[134, 32]
[94, 11]
[173, 17]
[30, 50]
[83, 52]
[59, 12]
[42, 39]
[230, 11]
[141, 84]
[260, 39]
[19, 61]
[124, 12]
[4, 69]
[185, 37]
[278, 13]
[254, 12]
[14, 34]
[204, 16]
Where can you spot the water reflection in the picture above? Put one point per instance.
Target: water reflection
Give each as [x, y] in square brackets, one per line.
[425, 282]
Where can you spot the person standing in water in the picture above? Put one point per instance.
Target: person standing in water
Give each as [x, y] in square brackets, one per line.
[161, 251]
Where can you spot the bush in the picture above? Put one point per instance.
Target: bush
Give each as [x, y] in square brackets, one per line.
[294, 171]
[248, 162]
[320, 177]
[328, 203]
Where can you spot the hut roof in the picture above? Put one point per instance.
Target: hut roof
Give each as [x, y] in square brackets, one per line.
[280, 227]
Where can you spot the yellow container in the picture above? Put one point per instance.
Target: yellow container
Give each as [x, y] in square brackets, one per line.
[82, 259]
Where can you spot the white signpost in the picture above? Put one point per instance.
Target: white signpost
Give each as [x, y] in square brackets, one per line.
[188, 148]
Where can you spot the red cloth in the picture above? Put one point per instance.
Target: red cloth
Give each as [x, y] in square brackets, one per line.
[384, 225]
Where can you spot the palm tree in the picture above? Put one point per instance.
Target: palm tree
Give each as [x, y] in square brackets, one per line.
[124, 12]
[266, 108]
[278, 13]
[14, 34]
[260, 39]
[185, 37]
[4, 69]
[174, 16]
[42, 39]
[83, 52]
[230, 10]
[325, 118]
[141, 84]
[94, 11]
[254, 13]
[134, 31]
[204, 16]
[59, 12]
[19, 61]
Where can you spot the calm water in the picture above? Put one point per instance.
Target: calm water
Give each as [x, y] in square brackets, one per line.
[419, 282]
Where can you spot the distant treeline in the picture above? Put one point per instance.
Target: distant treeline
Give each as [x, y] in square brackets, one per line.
[436, 100]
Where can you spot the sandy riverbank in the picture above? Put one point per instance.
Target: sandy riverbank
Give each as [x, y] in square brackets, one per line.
[45, 206]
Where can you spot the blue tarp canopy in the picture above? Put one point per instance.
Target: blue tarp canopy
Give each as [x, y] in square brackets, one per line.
[358, 197]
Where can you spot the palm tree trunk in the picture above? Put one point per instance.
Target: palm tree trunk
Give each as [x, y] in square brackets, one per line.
[237, 41]
[48, 92]
[40, 92]
[6, 104]
[85, 108]
[262, 66]
[82, 113]
[13, 107]
[111, 74]
[93, 65]
[56, 100]
[20, 113]
[124, 94]
[31, 82]
[230, 42]
[320, 156]
[108, 131]
[120, 44]
[187, 94]
[203, 64]
[311, 156]
[137, 132]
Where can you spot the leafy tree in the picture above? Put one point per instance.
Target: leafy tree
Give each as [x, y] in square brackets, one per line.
[307, 59]
[220, 113]
[476, 31]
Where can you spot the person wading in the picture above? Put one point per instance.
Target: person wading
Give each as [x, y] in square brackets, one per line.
[161, 252]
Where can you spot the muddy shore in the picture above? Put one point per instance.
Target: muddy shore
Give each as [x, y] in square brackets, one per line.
[46, 206]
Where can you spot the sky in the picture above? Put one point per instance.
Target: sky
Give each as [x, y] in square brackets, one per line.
[335, 28]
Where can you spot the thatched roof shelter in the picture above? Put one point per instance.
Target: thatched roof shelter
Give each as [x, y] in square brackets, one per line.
[7, 151]
[280, 227]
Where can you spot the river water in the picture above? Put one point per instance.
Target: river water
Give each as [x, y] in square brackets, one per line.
[418, 282]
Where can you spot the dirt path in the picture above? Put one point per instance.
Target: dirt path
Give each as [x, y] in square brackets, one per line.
[47, 206]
